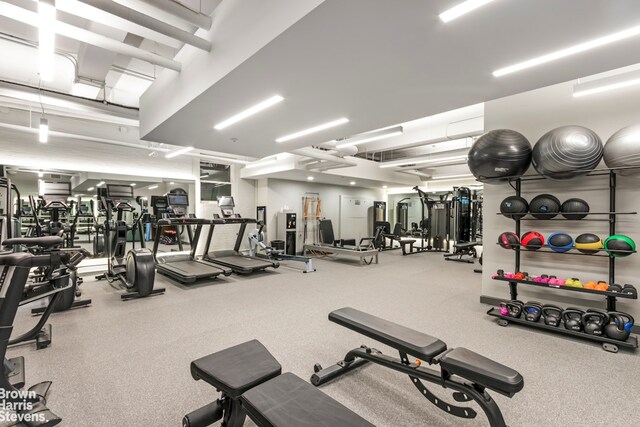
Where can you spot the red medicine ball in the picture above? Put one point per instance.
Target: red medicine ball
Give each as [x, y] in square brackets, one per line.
[532, 240]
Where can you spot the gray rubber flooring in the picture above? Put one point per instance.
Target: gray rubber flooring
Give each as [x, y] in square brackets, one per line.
[127, 363]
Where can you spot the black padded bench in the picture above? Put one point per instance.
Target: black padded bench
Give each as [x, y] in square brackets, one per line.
[462, 249]
[250, 382]
[483, 373]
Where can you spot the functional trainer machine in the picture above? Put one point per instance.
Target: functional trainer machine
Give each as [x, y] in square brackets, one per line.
[464, 237]
[234, 259]
[251, 383]
[481, 372]
[134, 270]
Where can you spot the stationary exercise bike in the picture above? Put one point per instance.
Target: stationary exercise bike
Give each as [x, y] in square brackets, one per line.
[135, 270]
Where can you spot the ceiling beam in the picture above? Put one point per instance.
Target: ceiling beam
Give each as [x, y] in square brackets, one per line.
[150, 22]
[183, 12]
[31, 18]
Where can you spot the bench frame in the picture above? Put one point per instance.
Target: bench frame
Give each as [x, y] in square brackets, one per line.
[417, 373]
[463, 249]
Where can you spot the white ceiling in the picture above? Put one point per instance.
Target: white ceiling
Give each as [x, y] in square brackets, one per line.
[380, 63]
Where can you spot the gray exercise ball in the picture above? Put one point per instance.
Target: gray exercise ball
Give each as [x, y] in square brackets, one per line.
[498, 155]
[567, 152]
[623, 149]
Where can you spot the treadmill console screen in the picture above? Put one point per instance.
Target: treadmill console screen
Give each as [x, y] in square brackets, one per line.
[226, 202]
[178, 199]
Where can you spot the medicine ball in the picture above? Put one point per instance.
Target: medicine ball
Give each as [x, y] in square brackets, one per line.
[544, 206]
[514, 207]
[570, 208]
[614, 244]
[560, 242]
[566, 152]
[498, 155]
[508, 240]
[623, 149]
[588, 243]
[532, 240]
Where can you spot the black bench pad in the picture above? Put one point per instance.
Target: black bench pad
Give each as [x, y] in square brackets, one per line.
[466, 245]
[289, 401]
[237, 369]
[480, 370]
[410, 341]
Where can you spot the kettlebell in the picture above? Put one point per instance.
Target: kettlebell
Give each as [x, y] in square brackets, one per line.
[515, 308]
[594, 321]
[532, 311]
[504, 311]
[551, 314]
[619, 327]
[572, 318]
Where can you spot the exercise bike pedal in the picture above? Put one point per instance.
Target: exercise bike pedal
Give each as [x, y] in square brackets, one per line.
[461, 397]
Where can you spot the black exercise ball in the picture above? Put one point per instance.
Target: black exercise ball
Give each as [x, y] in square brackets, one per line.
[566, 152]
[498, 155]
[623, 150]
[544, 206]
[573, 208]
[514, 207]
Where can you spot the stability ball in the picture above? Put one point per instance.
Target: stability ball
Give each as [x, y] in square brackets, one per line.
[567, 152]
[498, 155]
[623, 149]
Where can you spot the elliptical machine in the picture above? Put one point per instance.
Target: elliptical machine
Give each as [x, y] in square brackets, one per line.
[135, 270]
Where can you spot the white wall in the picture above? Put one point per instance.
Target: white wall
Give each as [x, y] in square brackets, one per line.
[533, 114]
[289, 193]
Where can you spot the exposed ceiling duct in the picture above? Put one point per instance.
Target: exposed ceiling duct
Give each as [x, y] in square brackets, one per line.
[318, 154]
[182, 12]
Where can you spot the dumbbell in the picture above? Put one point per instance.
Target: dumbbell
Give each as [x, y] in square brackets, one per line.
[551, 314]
[554, 281]
[630, 290]
[615, 288]
[532, 311]
[590, 285]
[602, 286]
[572, 318]
[574, 282]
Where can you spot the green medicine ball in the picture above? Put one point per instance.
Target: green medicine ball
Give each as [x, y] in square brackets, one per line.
[619, 245]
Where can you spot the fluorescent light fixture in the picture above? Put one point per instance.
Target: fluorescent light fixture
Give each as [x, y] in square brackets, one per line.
[90, 188]
[249, 112]
[133, 184]
[46, 38]
[352, 183]
[370, 137]
[314, 129]
[261, 163]
[422, 160]
[43, 134]
[619, 81]
[467, 175]
[462, 9]
[310, 178]
[562, 53]
[178, 152]
[153, 187]
[101, 183]
[40, 174]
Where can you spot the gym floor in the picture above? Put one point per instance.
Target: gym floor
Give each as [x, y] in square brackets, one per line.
[127, 363]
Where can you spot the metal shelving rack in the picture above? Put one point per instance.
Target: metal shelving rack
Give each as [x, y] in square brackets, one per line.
[611, 297]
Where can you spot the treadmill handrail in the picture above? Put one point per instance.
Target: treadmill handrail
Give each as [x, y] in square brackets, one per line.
[168, 222]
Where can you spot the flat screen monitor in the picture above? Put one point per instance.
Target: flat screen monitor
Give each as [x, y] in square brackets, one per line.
[121, 191]
[178, 199]
[55, 188]
[226, 201]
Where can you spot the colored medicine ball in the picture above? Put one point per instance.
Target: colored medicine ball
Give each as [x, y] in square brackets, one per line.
[619, 245]
[566, 152]
[532, 240]
[508, 240]
[573, 208]
[560, 242]
[498, 155]
[514, 207]
[544, 206]
[588, 243]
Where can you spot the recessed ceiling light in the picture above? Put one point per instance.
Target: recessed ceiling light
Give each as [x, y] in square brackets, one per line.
[462, 9]
[310, 178]
[152, 187]
[352, 183]
[178, 152]
[171, 183]
[133, 184]
[100, 183]
[249, 112]
[562, 53]
[90, 188]
[313, 130]
[384, 186]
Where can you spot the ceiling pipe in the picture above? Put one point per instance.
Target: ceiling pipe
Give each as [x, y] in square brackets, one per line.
[321, 155]
[149, 22]
[29, 17]
[176, 9]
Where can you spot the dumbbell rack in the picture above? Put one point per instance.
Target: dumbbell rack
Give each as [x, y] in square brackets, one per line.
[611, 297]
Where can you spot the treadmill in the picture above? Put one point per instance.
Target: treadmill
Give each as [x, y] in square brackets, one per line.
[234, 259]
[185, 268]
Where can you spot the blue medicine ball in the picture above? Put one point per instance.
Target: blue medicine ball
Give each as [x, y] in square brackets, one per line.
[560, 242]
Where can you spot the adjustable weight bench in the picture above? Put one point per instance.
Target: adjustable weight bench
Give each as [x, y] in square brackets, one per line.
[481, 372]
[250, 382]
[462, 249]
